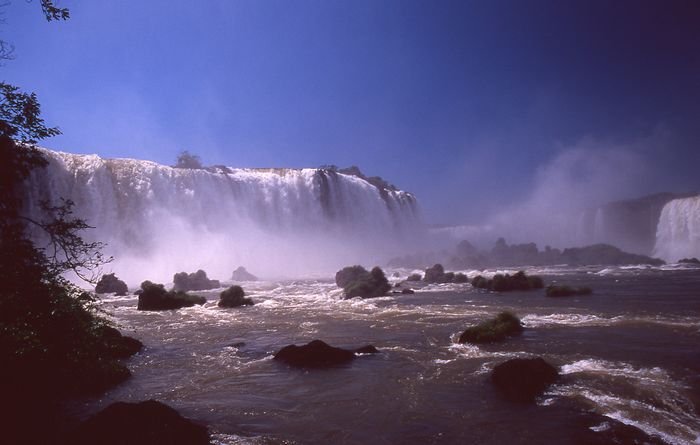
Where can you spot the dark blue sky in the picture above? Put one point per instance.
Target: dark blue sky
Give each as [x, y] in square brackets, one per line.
[467, 104]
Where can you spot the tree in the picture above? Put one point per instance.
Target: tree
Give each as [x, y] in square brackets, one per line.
[187, 160]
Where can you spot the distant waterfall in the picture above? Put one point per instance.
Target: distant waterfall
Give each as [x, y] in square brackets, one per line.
[678, 233]
[283, 221]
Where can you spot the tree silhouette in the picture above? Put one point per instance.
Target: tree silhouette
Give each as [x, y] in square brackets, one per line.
[187, 160]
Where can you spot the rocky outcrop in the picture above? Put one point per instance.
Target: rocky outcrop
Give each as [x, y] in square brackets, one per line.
[195, 281]
[241, 274]
[109, 283]
[521, 380]
[437, 274]
[143, 423]
[503, 326]
[154, 297]
[358, 282]
[318, 354]
[234, 296]
[507, 282]
[118, 345]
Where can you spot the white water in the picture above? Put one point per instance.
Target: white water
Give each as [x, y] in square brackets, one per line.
[678, 232]
[159, 220]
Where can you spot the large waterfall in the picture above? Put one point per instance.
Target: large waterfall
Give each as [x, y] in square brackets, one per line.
[159, 220]
[678, 233]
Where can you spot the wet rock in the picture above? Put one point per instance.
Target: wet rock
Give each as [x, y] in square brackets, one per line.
[318, 354]
[504, 325]
[358, 282]
[109, 283]
[234, 296]
[154, 297]
[507, 282]
[143, 423]
[118, 345]
[195, 281]
[521, 380]
[408, 291]
[414, 277]
[435, 274]
[240, 274]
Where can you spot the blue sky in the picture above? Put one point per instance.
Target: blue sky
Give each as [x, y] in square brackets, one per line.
[468, 104]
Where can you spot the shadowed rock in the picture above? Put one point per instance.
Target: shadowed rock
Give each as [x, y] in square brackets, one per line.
[358, 282]
[504, 325]
[144, 423]
[521, 380]
[154, 297]
[240, 274]
[507, 282]
[318, 354]
[567, 291]
[234, 296]
[195, 281]
[109, 283]
[118, 345]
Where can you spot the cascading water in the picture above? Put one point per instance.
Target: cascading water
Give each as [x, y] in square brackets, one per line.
[678, 232]
[158, 220]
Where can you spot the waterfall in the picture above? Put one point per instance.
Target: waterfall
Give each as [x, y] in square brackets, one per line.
[678, 232]
[158, 220]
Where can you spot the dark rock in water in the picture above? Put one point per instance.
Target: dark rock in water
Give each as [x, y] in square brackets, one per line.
[689, 261]
[604, 254]
[241, 274]
[504, 325]
[154, 297]
[566, 291]
[357, 282]
[521, 380]
[414, 277]
[408, 291]
[317, 354]
[109, 283]
[234, 296]
[195, 281]
[347, 275]
[435, 274]
[118, 345]
[144, 423]
[460, 278]
[507, 282]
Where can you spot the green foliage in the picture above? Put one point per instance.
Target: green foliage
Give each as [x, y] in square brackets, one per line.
[358, 282]
[154, 297]
[187, 160]
[504, 325]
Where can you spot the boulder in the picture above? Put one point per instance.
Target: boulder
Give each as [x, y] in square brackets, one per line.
[566, 291]
[143, 423]
[408, 291]
[504, 325]
[109, 283]
[318, 354]
[195, 281]
[435, 274]
[357, 282]
[240, 274]
[234, 296]
[507, 282]
[521, 380]
[414, 277]
[154, 297]
[460, 278]
[118, 345]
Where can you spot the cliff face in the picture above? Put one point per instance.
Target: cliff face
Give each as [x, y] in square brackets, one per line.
[678, 233]
[141, 206]
[629, 224]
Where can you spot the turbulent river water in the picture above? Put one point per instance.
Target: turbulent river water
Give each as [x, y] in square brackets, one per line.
[630, 352]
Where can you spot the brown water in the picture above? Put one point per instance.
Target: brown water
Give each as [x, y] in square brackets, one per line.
[630, 351]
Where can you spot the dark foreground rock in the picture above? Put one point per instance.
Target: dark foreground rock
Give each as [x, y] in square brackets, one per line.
[567, 291]
[109, 283]
[318, 354]
[144, 423]
[118, 345]
[521, 380]
[154, 297]
[507, 282]
[195, 281]
[504, 325]
[234, 296]
[240, 274]
[358, 282]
